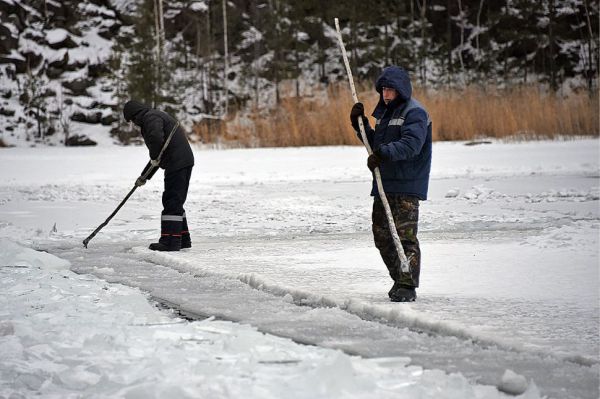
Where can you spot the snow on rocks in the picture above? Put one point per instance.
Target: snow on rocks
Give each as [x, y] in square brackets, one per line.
[58, 35]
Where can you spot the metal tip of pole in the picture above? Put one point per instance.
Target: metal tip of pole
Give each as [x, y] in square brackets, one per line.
[85, 243]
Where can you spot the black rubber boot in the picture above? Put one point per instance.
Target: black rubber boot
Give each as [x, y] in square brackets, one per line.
[394, 288]
[402, 293]
[171, 243]
[186, 240]
[170, 236]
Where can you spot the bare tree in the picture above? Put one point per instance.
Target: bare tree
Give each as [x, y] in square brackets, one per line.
[552, 17]
[35, 101]
[64, 116]
[226, 60]
[479, 10]
[422, 52]
[591, 44]
[461, 21]
[160, 40]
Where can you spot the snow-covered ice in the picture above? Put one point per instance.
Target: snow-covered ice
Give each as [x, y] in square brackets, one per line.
[283, 256]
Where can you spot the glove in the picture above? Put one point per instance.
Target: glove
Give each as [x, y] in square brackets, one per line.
[357, 110]
[140, 182]
[154, 162]
[375, 159]
[152, 170]
[373, 162]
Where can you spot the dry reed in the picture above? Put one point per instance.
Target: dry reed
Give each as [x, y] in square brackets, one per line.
[469, 114]
[521, 113]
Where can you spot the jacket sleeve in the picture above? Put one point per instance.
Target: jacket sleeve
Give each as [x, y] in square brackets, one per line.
[153, 134]
[414, 134]
[368, 131]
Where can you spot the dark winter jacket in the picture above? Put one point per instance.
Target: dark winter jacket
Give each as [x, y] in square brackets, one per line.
[156, 126]
[402, 137]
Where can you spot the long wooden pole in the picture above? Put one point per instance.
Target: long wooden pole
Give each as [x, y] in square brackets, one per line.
[404, 264]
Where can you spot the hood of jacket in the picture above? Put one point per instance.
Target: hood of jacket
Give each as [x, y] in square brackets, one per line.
[398, 79]
[135, 111]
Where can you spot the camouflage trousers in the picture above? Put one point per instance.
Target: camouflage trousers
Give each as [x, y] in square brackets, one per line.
[405, 210]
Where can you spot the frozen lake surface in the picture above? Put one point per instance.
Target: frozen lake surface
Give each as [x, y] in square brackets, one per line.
[282, 243]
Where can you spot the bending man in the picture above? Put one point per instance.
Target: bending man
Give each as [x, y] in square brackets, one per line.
[177, 161]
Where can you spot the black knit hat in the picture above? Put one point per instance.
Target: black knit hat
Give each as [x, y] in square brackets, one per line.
[132, 108]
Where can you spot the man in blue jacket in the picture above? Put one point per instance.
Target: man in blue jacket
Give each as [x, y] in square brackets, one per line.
[401, 143]
[177, 161]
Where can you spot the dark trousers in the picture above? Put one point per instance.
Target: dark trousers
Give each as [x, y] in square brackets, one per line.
[176, 188]
[405, 209]
[173, 220]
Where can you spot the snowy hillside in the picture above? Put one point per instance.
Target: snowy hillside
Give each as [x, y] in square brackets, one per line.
[66, 66]
[53, 71]
[284, 257]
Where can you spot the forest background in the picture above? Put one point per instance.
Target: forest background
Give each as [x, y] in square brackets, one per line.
[269, 72]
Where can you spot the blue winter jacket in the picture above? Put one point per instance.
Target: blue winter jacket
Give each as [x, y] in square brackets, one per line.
[402, 136]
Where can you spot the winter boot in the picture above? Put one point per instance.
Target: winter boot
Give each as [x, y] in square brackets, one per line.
[170, 236]
[394, 288]
[186, 241]
[402, 293]
[167, 243]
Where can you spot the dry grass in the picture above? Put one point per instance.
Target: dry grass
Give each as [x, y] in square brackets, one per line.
[473, 113]
[523, 113]
[296, 122]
